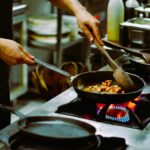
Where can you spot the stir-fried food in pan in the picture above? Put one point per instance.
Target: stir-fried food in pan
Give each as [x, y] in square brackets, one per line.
[108, 87]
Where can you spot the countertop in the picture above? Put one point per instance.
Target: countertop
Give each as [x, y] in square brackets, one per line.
[135, 139]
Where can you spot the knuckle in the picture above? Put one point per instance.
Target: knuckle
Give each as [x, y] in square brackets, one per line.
[86, 32]
[19, 60]
[14, 62]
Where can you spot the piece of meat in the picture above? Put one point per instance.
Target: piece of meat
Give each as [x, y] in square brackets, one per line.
[105, 87]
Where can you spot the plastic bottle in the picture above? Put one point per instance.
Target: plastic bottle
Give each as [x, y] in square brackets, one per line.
[130, 5]
[115, 15]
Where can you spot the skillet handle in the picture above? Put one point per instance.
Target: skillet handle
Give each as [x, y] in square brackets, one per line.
[115, 45]
[99, 140]
[11, 109]
[53, 68]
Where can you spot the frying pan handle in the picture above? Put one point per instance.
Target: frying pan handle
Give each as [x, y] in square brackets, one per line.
[53, 68]
[11, 109]
[98, 140]
[115, 45]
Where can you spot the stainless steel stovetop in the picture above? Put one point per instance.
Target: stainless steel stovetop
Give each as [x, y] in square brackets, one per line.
[134, 138]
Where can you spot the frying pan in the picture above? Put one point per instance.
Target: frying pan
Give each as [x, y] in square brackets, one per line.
[56, 129]
[134, 62]
[141, 66]
[94, 77]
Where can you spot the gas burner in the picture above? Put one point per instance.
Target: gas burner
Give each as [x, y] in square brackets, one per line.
[132, 114]
[117, 113]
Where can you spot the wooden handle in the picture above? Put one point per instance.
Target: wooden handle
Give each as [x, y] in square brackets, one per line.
[109, 43]
[111, 62]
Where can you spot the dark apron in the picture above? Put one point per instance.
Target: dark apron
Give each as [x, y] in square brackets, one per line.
[5, 32]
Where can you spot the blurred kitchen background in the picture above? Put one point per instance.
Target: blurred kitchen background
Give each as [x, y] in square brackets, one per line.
[52, 36]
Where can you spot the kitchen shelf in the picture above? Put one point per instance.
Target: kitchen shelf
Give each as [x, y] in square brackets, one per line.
[19, 73]
[62, 43]
[51, 49]
[72, 43]
[53, 46]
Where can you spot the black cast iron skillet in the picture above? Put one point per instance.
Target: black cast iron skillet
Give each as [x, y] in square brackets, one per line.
[94, 77]
[59, 130]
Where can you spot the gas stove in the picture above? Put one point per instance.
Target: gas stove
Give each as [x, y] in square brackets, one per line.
[130, 131]
[133, 114]
[112, 136]
[19, 142]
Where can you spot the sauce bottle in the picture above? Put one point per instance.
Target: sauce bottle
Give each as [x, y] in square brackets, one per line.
[115, 16]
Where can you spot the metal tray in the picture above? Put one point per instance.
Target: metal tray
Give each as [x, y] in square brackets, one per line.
[140, 23]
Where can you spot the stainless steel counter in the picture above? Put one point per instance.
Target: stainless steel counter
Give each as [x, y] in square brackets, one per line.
[135, 139]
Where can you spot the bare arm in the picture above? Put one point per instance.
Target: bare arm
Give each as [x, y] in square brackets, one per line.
[87, 23]
[72, 6]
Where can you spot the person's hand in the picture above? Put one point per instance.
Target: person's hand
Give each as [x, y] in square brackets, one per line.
[13, 53]
[89, 25]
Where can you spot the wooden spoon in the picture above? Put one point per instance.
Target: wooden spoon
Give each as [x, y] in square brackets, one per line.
[122, 78]
[145, 56]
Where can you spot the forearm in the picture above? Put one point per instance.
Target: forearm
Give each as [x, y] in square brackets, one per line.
[1, 47]
[87, 23]
[72, 6]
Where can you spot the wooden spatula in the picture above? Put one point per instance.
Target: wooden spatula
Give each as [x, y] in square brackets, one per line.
[122, 78]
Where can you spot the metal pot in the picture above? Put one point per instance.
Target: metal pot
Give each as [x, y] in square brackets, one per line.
[135, 32]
